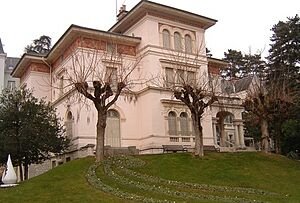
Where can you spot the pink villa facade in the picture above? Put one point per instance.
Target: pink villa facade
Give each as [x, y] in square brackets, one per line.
[155, 118]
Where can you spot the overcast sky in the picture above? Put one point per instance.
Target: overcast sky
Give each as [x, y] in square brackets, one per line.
[242, 24]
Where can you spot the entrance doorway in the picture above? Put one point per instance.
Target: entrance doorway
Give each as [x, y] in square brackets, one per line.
[112, 131]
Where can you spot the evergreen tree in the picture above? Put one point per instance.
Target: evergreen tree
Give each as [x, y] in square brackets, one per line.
[284, 74]
[39, 46]
[284, 55]
[242, 65]
[236, 64]
[29, 129]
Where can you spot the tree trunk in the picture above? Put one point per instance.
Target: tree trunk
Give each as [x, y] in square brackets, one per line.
[20, 170]
[198, 136]
[264, 136]
[278, 143]
[101, 124]
[25, 171]
[279, 136]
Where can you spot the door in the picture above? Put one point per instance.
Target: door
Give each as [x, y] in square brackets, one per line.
[112, 131]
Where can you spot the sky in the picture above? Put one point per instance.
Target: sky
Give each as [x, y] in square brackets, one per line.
[242, 24]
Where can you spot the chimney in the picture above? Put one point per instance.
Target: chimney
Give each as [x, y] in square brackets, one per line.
[122, 12]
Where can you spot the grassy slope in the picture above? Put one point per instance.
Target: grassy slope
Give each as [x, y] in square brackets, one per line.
[256, 170]
[67, 182]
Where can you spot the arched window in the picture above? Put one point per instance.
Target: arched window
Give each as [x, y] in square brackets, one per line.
[69, 124]
[177, 41]
[166, 38]
[184, 123]
[188, 43]
[112, 131]
[172, 123]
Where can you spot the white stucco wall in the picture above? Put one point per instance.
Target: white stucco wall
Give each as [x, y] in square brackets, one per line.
[2, 71]
[40, 83]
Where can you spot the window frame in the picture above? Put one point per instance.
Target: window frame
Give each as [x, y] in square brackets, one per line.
[11, 85]
[188, 49]
[166, 38]
[177, 41]
[172, 120]
[112, 78]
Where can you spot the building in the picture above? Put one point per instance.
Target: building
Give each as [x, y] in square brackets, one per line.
[7, 64]
[153, 34]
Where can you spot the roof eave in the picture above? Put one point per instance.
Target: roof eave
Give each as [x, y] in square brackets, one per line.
[75, 31]
[23, 63]
[208, 22]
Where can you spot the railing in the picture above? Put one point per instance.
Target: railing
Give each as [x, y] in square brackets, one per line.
[182, 139]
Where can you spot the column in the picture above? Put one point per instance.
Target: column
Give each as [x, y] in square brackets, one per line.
[214, 122]
[236, 135]
[241, 132]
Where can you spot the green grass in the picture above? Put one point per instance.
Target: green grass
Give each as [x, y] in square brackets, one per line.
[255, 170]
[67, 183]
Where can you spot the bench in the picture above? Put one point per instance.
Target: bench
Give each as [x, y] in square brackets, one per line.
[173, 148]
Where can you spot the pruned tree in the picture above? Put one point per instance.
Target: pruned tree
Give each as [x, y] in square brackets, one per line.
[197, 98]
[29, 130]
[269, 103]
[101, 76]
[189, 82]
[276, 96]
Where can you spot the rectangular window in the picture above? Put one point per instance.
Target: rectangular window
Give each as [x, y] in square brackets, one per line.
[11, 85]
[111, 77]
[180, 77]
[169, 77]
[191, 77]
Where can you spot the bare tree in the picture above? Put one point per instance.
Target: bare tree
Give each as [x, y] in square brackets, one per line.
[268, 102]
[101, 76]
[189, 81]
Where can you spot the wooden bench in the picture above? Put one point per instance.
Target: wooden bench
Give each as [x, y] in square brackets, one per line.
[173, 148]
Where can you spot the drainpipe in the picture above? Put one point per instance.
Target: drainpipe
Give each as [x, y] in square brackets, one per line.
[44, 60]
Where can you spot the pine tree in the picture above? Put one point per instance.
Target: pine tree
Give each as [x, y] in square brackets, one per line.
[39, 46]
[284, 73]
[284, 55]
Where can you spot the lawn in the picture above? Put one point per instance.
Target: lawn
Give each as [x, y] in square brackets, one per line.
[65, 183]
[217, 177]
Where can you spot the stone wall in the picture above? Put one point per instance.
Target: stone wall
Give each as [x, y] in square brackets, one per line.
[88, 150]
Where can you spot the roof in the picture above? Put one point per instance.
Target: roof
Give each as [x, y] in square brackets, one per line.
[149, 7]
[23, 63]
[219, 62]
[74, 31]
[65, 40]
[243, 84]
[1, 47]
[11, 62]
